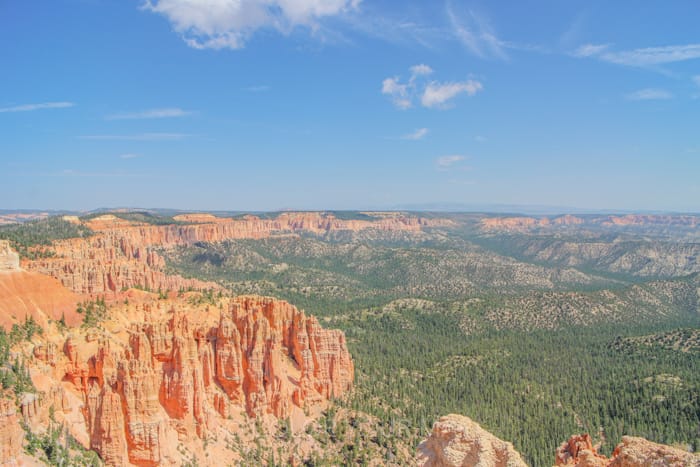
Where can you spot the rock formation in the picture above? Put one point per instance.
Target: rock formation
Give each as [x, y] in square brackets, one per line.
[638, 452]
[179, 372]
[457, 441]
[11, 433]
[9, 259]
[122, 254]
[579, 451]
[631, 452]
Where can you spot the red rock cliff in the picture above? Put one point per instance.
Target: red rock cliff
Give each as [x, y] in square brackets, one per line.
[177, 374]
[121, 254]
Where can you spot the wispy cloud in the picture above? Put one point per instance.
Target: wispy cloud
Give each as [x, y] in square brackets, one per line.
[139, 137]
[649, 94]
[419, 134]
[31, 107]
[169, 112]
[644, 57]
[476, 34]
[448, 162]
[439, 95]
[589, 50]
[421, 70]
[128, 156]
[430, 94]
[696, 79]
[223, 24]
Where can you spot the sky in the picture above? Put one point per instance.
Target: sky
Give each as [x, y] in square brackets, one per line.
[256, 105]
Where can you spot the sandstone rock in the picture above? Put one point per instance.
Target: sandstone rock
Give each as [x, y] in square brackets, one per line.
[579, 451]
[11, 433]
[457, 441]
[631, 452]
[178, 373]
[638, 452]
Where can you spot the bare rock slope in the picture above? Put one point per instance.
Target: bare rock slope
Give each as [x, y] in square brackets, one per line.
[457, 441]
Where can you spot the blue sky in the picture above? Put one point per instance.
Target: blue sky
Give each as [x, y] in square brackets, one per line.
[347, 104]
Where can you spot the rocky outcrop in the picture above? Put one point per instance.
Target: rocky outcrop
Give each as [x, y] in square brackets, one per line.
[106, 264]
[11, 433]
[631, 452]
[179, 373]
[457, 441]
[9, 259]
[579, 451]
[122, 254]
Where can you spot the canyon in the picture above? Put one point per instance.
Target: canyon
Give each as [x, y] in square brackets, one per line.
[122, 254]
[145, 366]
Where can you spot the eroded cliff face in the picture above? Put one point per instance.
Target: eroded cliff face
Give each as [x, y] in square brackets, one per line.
[163, 374]
[11, 433]
[457, 441]
[122, 254]
[578, 451]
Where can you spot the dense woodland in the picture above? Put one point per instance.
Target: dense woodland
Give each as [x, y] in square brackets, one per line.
[534, 388]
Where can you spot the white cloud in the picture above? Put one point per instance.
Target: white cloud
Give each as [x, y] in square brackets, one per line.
[649, 94]
[445, 162]
[589, 50]
[420, 133]
[643, 57]
[139, 137]
[438, 95]
[397, 91]
[433, 94]
[30, 107]
[220, 24]
[421, 70]
[128, 156]
[152, 113]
